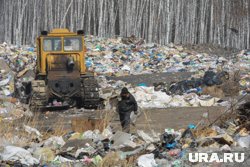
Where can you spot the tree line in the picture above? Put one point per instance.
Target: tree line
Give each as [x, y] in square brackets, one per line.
[222, 22]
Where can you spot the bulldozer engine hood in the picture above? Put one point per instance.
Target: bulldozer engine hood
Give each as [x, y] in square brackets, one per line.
[63, 74]
[63, 62]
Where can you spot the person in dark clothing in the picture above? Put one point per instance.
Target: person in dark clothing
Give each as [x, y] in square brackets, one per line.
[125, 107]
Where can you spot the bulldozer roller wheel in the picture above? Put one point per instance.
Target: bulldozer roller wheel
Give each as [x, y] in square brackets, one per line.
[39, 96]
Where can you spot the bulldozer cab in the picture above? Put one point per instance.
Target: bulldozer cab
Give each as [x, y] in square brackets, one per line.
[58, 46]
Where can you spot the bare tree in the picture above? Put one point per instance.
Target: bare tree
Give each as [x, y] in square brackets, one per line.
[223, 22]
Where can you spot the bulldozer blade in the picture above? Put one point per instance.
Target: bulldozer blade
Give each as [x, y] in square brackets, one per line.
[55, 108]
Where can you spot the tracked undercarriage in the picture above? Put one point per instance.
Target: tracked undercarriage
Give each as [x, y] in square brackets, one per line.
[88, 96]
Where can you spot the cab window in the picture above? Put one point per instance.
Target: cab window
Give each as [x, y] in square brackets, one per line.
[52, 44]
[72, 44]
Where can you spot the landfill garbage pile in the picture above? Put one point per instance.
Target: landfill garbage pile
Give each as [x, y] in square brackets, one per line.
[149, 97]
[195, 85]
[121, 56]
[130, 56]
[116, 148]
[16, 68]
[220, 85]
[126, 56]
[19, 59]
[113, 56]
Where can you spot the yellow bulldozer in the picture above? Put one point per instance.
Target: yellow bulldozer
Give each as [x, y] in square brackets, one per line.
[62, 79]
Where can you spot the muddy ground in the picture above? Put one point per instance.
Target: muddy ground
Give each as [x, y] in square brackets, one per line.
[149, 119]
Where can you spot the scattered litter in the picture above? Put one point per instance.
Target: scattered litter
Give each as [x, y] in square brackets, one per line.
[31, 130]
[12, 153]
[244, 141]
[54, 142]
[209, 83]
[44, 154]
[147, 160]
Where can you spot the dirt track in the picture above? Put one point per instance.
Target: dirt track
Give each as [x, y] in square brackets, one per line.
[160, 119]
[150, 119]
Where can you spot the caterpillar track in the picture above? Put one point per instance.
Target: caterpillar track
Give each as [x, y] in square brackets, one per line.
[38, 97]
[89, 96]
[90, 92]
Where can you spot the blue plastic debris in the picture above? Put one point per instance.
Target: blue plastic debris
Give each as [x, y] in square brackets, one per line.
[191, 126]
[171, 145]
[89, 62]
[31, 49]
[142, 84]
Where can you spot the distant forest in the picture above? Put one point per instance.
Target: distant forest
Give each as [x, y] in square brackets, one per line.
[222, 22]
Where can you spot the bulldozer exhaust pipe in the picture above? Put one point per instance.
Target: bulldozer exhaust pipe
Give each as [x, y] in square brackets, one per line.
[70, 63]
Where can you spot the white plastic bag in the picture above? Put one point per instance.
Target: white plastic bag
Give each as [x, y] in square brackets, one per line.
[244, 141]
[12, 153]
[146, 160]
